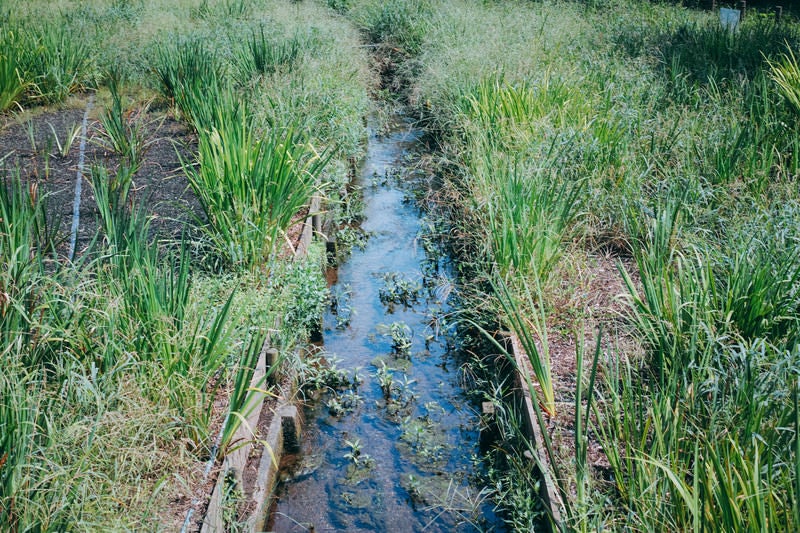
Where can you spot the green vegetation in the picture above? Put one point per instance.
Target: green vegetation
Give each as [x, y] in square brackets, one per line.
[633, 137]
[251, 188]
[127, 369]
[648, 131]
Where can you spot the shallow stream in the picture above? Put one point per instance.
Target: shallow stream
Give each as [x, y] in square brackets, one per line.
[393, 445]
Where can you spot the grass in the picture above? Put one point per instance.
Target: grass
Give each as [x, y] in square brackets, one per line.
[786, 73]
[264, 56]
[251, 189]
[681, 151]
[123, 131]
[12, 83]
[401, 25]
[635, 127]
[113, 364]
[58, 62]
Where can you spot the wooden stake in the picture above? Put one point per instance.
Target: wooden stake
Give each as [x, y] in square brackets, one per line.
[778, 14]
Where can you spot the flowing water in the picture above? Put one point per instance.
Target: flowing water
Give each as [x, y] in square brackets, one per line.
[396, 448]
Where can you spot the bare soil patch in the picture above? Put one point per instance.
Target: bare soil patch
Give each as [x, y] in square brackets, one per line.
[28, 142]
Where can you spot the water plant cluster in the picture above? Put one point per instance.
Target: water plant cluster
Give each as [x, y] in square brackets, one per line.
[650, 135]
[127, 366]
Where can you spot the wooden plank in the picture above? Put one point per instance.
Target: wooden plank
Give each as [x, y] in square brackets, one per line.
[549, 494]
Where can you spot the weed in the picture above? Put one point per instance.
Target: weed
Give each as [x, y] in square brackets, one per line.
[340, 306]
[401, 335]
[399, 289]
[71, 135]
[386, 381]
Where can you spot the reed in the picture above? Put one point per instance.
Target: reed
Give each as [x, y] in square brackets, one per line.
[251, 188]
[12, 82]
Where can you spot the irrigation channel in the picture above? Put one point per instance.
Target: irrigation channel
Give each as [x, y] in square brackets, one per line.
[394, 447]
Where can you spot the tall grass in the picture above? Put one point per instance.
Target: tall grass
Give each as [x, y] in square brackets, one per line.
[526, 317]
[685, 145]
[27, 295]
[400, 24]
[193, 78]
[12, 82]
[528, 216]
[59, 62]
[250, 188]
[113, 366]
[686, 463]
[265, 56]
[123, 130]
[786, 74]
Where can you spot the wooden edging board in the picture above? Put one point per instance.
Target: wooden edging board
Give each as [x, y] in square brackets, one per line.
[547, 491]
[283, 429]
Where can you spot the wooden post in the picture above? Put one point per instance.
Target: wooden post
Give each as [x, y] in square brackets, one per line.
[743, 7]
[713, 5]
[778, 14]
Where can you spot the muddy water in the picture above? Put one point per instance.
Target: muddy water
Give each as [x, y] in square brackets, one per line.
[381, 456]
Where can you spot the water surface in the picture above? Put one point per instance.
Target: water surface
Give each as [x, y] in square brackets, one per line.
[407, 463]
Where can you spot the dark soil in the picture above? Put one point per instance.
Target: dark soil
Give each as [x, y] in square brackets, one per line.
[27, 143]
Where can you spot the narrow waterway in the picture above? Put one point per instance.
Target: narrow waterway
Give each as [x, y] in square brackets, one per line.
[397, 448]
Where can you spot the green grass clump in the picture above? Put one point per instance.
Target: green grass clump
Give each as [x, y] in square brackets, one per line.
[264, 56]
[251, 189]
[124, 131]
[786, 73]
[42, 63]
[12, 83]
[400, 24]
